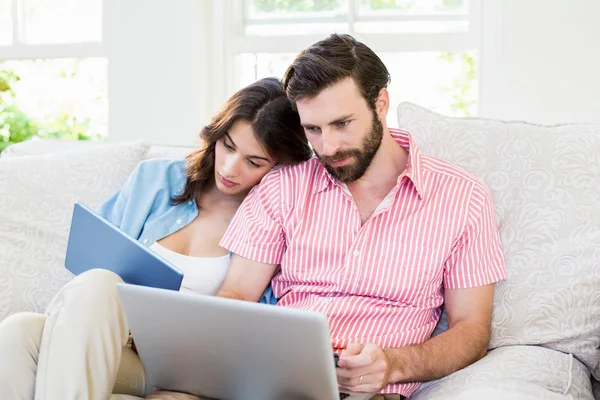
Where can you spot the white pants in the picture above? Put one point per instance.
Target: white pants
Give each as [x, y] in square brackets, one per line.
[78, 349]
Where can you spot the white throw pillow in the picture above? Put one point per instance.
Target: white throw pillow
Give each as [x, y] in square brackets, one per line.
[37, 194]
[545, 181]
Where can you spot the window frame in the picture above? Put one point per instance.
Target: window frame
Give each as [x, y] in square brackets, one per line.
[19, 50]
[231, 40]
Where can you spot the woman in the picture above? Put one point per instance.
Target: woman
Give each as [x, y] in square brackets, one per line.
[80, 348]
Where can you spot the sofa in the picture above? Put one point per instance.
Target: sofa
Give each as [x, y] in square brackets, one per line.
[545, 181]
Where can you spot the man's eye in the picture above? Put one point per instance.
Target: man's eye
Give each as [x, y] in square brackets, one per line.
[343, 123]
[313, 129]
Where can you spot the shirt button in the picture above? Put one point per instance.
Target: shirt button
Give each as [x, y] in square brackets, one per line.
[190, 202]
[145, 241]
[356, 253]
[178, 222]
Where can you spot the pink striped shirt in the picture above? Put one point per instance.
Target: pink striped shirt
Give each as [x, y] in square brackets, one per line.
[381, 282]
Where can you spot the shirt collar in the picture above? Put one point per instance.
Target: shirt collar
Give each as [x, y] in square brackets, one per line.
[414, 169]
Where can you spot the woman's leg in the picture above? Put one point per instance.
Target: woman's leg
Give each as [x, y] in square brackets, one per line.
[82, 340]
[20, 336]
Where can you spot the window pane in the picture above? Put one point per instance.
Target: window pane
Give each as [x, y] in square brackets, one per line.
[6, 25]
[444, 82]
[296, 29]
[58, 98]
[411, 16]
[295, 17]
[412, 26]
[303, 7]
[62, 21]
[262, 65]
[413, 6]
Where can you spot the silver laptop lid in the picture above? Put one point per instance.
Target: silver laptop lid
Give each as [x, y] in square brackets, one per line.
[229, 349]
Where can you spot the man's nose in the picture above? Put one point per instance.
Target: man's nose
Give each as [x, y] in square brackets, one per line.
[330, 142]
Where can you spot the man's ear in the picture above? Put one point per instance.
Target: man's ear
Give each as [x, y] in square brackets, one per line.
[382, 103]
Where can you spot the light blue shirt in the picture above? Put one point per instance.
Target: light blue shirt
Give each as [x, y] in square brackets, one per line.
[142, 208]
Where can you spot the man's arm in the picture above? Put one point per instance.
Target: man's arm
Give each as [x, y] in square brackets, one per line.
[246, 279]
[469, 314]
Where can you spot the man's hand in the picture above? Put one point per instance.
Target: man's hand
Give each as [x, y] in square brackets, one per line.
[363, 368]
[469, 317]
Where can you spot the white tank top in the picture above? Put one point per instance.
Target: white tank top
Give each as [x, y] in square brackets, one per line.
[202, 275]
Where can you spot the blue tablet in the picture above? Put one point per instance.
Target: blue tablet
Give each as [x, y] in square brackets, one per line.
[94, 242]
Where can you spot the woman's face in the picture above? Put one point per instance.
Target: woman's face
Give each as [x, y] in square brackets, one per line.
[240, 160]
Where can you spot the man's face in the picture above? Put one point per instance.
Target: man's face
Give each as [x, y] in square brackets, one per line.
[343, 130]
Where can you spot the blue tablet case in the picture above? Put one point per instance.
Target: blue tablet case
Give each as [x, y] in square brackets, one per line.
[94, 242]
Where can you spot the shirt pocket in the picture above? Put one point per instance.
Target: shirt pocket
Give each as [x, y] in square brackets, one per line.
[412, 274]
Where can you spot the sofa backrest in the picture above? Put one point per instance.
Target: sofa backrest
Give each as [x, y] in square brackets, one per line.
[545, 181]
[37, 193]
[47, 146]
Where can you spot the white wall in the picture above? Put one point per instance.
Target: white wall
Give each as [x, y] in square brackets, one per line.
[158, 92]
[541, 60]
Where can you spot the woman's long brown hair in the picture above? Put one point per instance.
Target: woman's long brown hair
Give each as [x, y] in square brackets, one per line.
[275, 123]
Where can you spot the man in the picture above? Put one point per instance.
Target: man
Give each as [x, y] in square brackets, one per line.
[371, 232]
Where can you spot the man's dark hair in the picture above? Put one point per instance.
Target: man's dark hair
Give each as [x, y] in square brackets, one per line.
[331, 60]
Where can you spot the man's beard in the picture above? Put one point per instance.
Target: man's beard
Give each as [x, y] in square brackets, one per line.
[363, 157]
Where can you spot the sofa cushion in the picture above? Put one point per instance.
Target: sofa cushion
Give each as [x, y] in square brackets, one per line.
[36, 202]
[545, 181]
[515, 373]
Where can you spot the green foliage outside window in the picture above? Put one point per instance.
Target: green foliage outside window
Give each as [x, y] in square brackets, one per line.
[17, 126]
[462, 102]
[295, 5]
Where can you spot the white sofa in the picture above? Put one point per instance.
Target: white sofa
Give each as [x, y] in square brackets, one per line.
[546, 186]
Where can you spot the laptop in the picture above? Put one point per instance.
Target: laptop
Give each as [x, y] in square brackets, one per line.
[94, 242]
[229, 349]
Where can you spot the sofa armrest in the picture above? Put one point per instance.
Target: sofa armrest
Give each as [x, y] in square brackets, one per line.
[514, 372]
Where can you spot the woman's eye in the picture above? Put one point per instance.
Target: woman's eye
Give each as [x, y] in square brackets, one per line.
[227, 146]
[255, 165]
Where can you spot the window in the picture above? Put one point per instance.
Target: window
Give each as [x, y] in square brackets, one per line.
[429, 46]
[53, 70]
